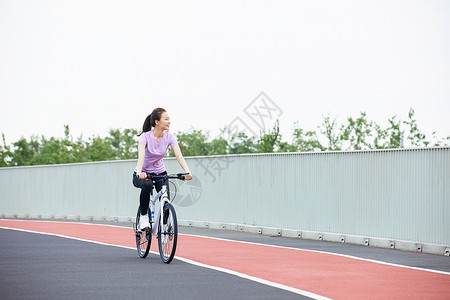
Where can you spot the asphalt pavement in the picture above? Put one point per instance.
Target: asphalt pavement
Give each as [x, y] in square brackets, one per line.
[36, 266]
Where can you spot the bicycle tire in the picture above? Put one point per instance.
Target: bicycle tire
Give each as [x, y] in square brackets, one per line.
[143, 238]
[167, 236]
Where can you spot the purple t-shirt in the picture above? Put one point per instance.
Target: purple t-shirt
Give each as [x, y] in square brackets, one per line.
[155, 151]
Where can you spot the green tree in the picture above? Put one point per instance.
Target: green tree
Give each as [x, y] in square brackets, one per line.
[286, 147]
[306, 141]
[52, 151]
[123, 143]
[380, 137]
[446, 142]
[330, 131]
[415, 136]
[5, 153]
[358, 133]
[193, 143]
[394, 133]
[218, 146]
[268, 142]
[23, 152]
[391, 137]
[79, 150]
[241, 143]
[99, 149]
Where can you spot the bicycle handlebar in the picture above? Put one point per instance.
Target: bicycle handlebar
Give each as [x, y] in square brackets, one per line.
[177, 176]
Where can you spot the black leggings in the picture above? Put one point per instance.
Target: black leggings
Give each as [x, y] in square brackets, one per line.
[146, 187]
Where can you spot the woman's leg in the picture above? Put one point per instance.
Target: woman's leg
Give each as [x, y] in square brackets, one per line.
[159, 184]
[146, 188]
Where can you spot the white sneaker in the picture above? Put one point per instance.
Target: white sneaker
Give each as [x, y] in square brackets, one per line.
[143, 222]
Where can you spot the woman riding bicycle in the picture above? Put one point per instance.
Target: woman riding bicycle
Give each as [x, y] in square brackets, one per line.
[153, 145]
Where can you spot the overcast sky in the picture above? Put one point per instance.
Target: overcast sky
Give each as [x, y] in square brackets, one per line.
[97, 65]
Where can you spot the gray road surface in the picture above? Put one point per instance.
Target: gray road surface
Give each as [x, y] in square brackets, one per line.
[35, 266]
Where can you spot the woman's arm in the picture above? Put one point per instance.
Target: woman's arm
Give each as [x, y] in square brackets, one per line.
[140, 163]
[181, 161]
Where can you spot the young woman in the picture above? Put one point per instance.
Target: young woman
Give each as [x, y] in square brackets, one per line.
[153, 145]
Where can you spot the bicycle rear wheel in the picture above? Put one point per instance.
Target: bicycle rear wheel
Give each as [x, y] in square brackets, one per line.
[168, 234]
[143, 238]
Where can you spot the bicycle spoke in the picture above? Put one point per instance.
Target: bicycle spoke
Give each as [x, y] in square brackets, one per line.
[143, 239]
[167, 234]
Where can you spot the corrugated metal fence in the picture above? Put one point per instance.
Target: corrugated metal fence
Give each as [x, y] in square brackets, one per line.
[389, 198]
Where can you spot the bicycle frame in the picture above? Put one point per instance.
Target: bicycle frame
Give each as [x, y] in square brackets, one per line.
[167, 237]
[162, 194]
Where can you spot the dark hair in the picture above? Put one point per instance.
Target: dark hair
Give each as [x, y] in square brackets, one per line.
[151, 118]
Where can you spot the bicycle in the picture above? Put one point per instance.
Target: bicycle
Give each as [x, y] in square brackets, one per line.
[167, 228]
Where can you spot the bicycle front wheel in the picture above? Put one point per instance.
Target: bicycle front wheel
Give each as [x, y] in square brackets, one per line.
[168, 234]
[143, 238]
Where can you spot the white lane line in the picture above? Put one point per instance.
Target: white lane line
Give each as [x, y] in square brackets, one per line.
[64, 222]
[231, 272]
[67, 237]
[256, 279]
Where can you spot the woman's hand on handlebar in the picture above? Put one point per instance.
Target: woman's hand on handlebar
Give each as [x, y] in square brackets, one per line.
[187, 177]
[141, 175]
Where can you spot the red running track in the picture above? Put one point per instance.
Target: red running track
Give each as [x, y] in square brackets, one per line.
[329, 275]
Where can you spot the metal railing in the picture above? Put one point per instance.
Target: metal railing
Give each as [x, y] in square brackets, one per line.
[389, 198]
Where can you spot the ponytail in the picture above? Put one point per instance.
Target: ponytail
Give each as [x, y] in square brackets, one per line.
[147, 125]
[151, 119]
